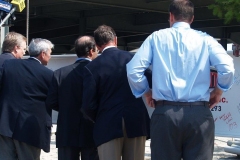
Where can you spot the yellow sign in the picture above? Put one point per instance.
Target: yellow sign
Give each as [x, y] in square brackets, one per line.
[19, 4]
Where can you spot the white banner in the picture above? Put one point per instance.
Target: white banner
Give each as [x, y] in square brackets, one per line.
[227, 113]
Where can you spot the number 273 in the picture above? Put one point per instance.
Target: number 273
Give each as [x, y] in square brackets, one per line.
[216, 108]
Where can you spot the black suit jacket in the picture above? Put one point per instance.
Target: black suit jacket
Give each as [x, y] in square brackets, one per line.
[65, 96]
[107, 98]
[23, 113]
[4, 56]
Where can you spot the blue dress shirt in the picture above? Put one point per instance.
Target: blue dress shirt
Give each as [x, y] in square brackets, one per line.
[181, 58]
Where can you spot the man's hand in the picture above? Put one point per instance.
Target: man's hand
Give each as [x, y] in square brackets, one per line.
[148, 97]
[215, 97]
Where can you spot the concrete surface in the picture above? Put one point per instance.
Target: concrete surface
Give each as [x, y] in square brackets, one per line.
[219, 153]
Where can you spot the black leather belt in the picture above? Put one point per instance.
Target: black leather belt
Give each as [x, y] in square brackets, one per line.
[197, 103]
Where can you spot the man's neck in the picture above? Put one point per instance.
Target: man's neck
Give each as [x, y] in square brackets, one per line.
[109, 44]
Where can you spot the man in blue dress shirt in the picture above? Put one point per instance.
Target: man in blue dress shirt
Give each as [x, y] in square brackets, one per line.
[182, 124]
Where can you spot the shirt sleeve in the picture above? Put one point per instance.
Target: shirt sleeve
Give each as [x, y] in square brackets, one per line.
[136, 68]
[223, 64]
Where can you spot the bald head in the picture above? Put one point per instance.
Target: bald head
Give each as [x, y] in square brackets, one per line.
[83, 45]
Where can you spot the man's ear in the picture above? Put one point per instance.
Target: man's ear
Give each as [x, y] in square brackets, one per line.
[99, 48]
[15, 50]
[171, 17]
[41, 56]
[90, 54]
[115, 40]
[191, 20]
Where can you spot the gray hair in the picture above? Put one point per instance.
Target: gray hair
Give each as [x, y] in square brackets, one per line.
[11, 40]
[38, 46]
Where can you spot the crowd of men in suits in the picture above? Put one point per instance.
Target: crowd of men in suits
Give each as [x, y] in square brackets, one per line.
[99, 98]
[98, 116]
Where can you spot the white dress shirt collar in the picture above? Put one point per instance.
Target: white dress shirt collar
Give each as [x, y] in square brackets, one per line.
[36, 59]
[181, 24]
[107, 48]
[80, 58]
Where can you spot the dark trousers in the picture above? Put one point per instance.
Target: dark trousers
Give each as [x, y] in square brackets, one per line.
[182, 132]
[74, 153]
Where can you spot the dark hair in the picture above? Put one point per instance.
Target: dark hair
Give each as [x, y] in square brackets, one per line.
[83, 45]
[104, 34]
[182, 10]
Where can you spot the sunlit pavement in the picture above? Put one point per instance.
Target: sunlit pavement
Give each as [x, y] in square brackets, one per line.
[219, 153]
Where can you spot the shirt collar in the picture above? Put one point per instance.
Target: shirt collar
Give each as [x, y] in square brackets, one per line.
[107, 48]
[36, 59]
[181, 24]
[80, 58]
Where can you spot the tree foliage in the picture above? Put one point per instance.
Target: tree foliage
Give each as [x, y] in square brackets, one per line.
[227, 9]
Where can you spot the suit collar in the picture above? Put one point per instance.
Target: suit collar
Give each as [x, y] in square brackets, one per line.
[34, 58]
[10, 54]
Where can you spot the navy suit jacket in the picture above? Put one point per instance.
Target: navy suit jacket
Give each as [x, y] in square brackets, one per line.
[4, 56]
[107, 98]
[23, 113]
[65, 96]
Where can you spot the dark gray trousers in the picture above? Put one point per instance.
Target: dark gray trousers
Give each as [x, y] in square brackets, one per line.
[73, 153]
[11, 149]
[185, 132]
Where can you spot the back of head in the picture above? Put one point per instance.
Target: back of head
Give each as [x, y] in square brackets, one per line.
[104, 34]
[11, 40]
[183, 10]
[83, 45]
[39, 45]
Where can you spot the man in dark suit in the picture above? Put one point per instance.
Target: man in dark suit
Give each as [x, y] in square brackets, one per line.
[25, 121]
[121, 121]
[74, 133]
[13, 47]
